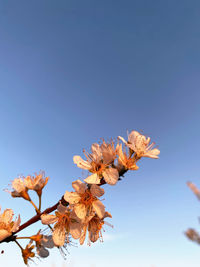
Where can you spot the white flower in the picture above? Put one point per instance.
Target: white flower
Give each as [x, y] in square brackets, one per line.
[94, 225]
[36, 183]
[20, 189]
[84, 201]
[140, 145]
[42, 242]
[7, 226]
[99, 164]
[125, 161]
[66, 223]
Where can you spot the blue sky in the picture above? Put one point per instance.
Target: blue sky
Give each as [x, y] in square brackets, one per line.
[73, 72]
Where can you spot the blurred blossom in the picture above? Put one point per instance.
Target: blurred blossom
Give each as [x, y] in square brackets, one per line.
[193, 235]
[194, 189]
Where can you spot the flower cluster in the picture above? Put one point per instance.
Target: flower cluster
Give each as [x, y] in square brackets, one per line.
[21, 185]
[84, 209]
[85, 212]
[79, 213]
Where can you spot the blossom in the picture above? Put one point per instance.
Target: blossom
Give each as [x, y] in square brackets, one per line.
[20, 190]
[126, 161]
[42, 242]
[139, 144]
[7, 226]
[94, 225]
[27, 253]
[193, 235]
[36, 183]
[66, 223]
[84, 200]
[99, 163]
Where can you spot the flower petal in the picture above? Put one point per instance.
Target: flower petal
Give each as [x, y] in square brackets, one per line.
[132, 136]
[93, 179]
[83, 164]
[47, 241]
[108, 152]
[107, 214]
[48, 218]
[80, 211]
[99, 208]
[83, 235]
[28, 182]
[111, 176]
[96, 152]
[40, 182]
[152, 153]
[6, 216]
[96, 190]
[75, 229]
[122, 157]
[16, 224]
[42, 252]
[79, 186]
[62, 209]
[93, 230]
[71, 197]
[59, 236]
[3, 234]
[122, 139]
[18, 185]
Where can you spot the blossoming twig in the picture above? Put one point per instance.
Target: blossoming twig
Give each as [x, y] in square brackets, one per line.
[81, 211]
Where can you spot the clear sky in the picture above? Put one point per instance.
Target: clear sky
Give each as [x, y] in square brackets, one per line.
[72, 72]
